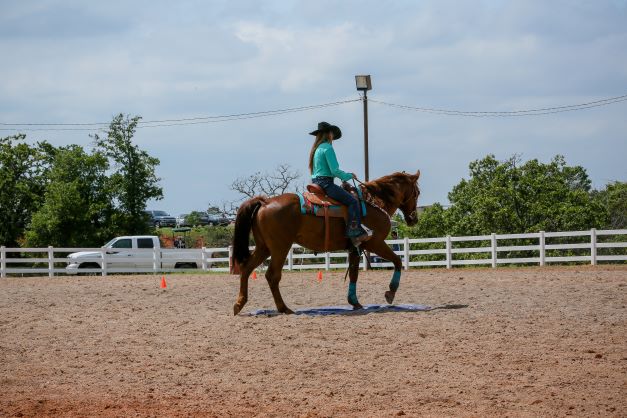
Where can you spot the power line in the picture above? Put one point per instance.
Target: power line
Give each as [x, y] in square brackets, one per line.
[241, 116]
[512, 113]
[171, 122]
[102, 126]
[255, 114]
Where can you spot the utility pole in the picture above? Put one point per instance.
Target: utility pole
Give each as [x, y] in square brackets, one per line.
[366, 162]
[364, 84]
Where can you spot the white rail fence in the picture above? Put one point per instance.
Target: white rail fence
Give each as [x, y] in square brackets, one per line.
[540, 248]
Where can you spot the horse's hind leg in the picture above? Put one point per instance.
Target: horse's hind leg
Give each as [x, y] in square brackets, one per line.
[273, 276]
[256, 258]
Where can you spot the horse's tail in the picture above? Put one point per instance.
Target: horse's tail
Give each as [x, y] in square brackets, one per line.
[243, 224]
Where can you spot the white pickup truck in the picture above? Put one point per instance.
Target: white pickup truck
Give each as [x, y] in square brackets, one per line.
[131, 253]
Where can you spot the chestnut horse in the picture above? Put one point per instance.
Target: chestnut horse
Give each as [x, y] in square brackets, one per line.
[277, 223]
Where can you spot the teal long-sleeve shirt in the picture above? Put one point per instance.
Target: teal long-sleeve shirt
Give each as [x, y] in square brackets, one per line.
[325, 163]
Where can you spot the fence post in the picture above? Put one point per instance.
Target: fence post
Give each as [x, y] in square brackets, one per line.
[3, 261]
[494, 252]
[542, 249]
[103, 255]
[232, 264]
[593, 246]
[290, 259]
[203, 259]
[449, 254]
[327, 261]
[50, 261]
[365, 260]
[406, 253]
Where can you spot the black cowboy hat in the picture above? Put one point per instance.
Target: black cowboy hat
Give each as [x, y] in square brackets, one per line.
[326, 127]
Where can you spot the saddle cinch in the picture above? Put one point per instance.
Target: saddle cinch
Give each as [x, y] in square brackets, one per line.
[316, 202]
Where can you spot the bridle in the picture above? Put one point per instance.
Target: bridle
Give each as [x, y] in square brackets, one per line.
[375, 201]
[413, 198]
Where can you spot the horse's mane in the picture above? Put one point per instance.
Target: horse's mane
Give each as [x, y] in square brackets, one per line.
[388, 188]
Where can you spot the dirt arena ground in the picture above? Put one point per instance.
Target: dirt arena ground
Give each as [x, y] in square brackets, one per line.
[531, 342]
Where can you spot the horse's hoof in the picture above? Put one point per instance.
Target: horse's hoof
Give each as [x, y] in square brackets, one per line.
[236, 309]
[389, 296]
[287, 311]
[357, 307]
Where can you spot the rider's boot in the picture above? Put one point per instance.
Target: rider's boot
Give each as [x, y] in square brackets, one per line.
[359, 234]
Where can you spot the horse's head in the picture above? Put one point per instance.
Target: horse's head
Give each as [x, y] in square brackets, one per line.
[398, 191]
[409, 200]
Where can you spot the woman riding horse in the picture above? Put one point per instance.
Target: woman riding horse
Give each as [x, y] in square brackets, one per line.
[324, 168]
[278, 222]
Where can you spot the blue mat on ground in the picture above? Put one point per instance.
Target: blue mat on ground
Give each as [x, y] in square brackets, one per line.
[347, 310]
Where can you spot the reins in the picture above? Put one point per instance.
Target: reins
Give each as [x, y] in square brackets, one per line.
[368, 197]
[355, 179]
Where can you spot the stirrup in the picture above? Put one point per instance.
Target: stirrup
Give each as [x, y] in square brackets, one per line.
[368, 231]
[356, 241]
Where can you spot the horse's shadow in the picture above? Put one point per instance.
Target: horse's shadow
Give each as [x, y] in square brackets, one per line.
[349, 311]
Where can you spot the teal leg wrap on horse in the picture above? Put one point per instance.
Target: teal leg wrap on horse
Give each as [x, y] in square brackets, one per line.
[396, 280]
[352, 293]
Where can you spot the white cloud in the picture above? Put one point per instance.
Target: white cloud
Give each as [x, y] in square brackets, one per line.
[163, 59]
[295, 59]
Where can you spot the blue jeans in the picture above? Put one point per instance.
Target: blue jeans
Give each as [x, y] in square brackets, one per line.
[336, 192]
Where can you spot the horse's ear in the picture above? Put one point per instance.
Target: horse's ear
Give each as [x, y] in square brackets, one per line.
[417, 174]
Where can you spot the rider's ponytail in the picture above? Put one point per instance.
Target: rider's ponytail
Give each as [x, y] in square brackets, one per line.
[320, 138]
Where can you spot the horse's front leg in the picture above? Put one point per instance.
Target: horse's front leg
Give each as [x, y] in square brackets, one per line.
[353, 272]
[394, 283]
[383, 250]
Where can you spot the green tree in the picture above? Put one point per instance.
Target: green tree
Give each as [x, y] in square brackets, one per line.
[513, 197]
[509, 197]
[614, 199]
[23, 178]
[432, 222]
[194, 218]
[133, 181]
[214, 210]
[77, 208]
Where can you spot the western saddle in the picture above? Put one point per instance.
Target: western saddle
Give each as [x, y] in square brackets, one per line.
[320, 196]
[324, 206]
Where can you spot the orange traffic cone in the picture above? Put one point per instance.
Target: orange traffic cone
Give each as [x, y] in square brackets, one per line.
[319, 276]
[163, 283]
[254, 276]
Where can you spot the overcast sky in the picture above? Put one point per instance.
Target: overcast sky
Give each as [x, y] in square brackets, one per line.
[66, 61]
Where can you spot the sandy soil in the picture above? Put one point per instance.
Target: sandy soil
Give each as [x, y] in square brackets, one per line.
[532, 342]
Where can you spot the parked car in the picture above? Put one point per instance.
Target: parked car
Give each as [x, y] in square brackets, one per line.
[192, 219]
[122, 254]
[159, 218]
[217, 219]
[181, 220]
